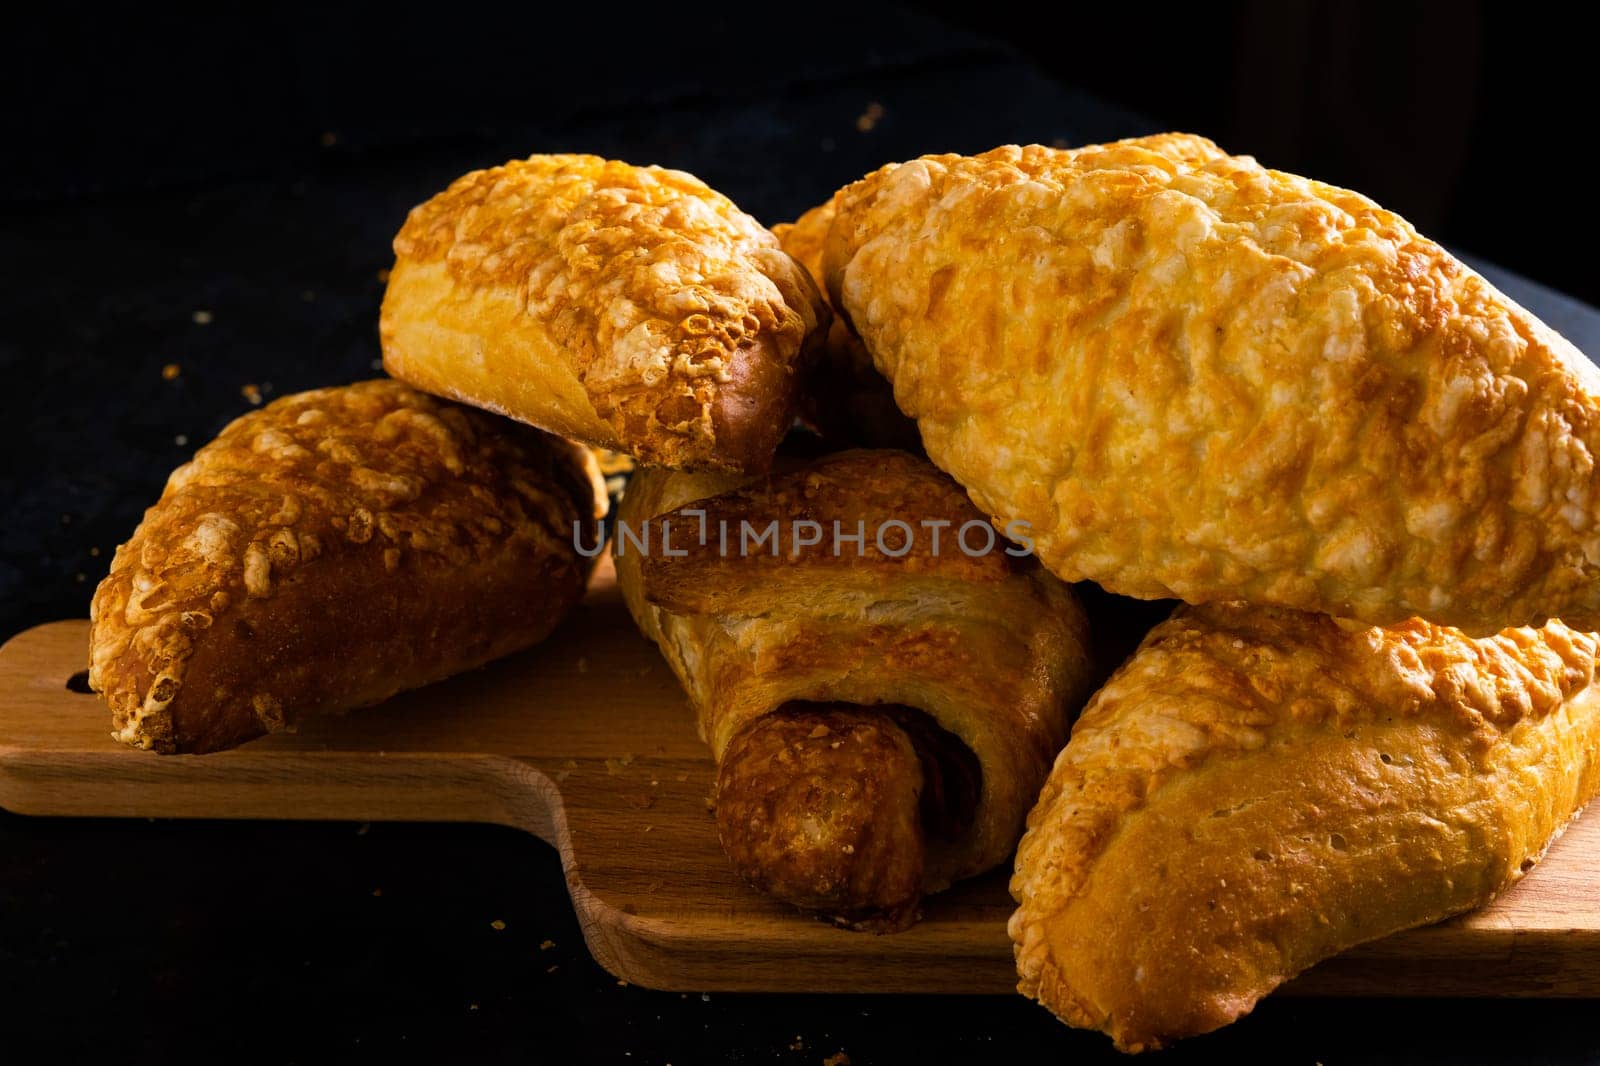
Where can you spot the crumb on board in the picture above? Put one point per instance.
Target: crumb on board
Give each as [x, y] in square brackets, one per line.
[497, 925]
[546, 945]
[869, 118]
[95, 552]
[201, 318]
[170, 371]
[181, 439]
[614, 767]
[841, 1059]
[553, 968]
[621, 983]
[251, 392]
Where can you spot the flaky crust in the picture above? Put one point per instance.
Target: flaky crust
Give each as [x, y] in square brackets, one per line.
[332, 549]
[992, 648]
[843, 397]
[1258, 789]
[1200, 378]
[630, 307]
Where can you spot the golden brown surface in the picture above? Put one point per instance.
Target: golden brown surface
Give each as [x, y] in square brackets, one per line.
[819, 804]
[630, 307]
[1257, 789]
[992, 649]
[332, 549]
[843, 397]
[1200, 378]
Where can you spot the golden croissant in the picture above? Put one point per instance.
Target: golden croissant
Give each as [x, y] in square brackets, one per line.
[632, 308]
[882, 719]
[1197, 377]
[1258, 788]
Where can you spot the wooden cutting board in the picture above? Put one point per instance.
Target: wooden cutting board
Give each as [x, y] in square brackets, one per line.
[588, 743]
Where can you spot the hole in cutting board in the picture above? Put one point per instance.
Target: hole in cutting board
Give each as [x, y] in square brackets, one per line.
[79, 682]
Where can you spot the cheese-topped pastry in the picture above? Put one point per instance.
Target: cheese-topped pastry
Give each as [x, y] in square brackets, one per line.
[629, 307]
[1197, 377]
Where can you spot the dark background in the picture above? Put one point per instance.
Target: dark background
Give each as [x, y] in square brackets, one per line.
[214, 195]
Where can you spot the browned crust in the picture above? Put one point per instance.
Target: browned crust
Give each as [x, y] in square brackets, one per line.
[332, 549]
[1259, 789]
[631, 307]
[1204, 379]
[820, 805]
[992, 649]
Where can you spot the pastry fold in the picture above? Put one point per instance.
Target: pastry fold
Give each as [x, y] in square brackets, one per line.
[330, 550]
[629, 307]
[1258, 789]
[941, 649]
[1196, 377]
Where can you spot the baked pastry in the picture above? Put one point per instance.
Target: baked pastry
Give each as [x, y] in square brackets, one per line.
[881, 721]
[329, 550]
[629, 307]
[843, 397]
[1258, 789]
[1199, 378]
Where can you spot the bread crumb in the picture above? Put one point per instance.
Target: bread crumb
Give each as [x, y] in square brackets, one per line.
[820, 731]
[497, 925]
[546, 945]
[472, 1006]
[251, 392]
[621, 983]
[841, 1059]
[181, 439]
[361, 830]
[552, 969]
[682, 778]
[170, 371]
[201, 318]
[869, 118]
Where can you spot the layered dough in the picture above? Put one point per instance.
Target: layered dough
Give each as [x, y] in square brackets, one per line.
[633, 308]
[330, 550]
[904, 655]
[1258, 789]
[1196, 377]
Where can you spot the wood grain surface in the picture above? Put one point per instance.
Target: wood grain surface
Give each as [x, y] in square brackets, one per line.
[587, 743]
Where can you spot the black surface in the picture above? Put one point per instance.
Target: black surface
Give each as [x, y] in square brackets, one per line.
[256, 173]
